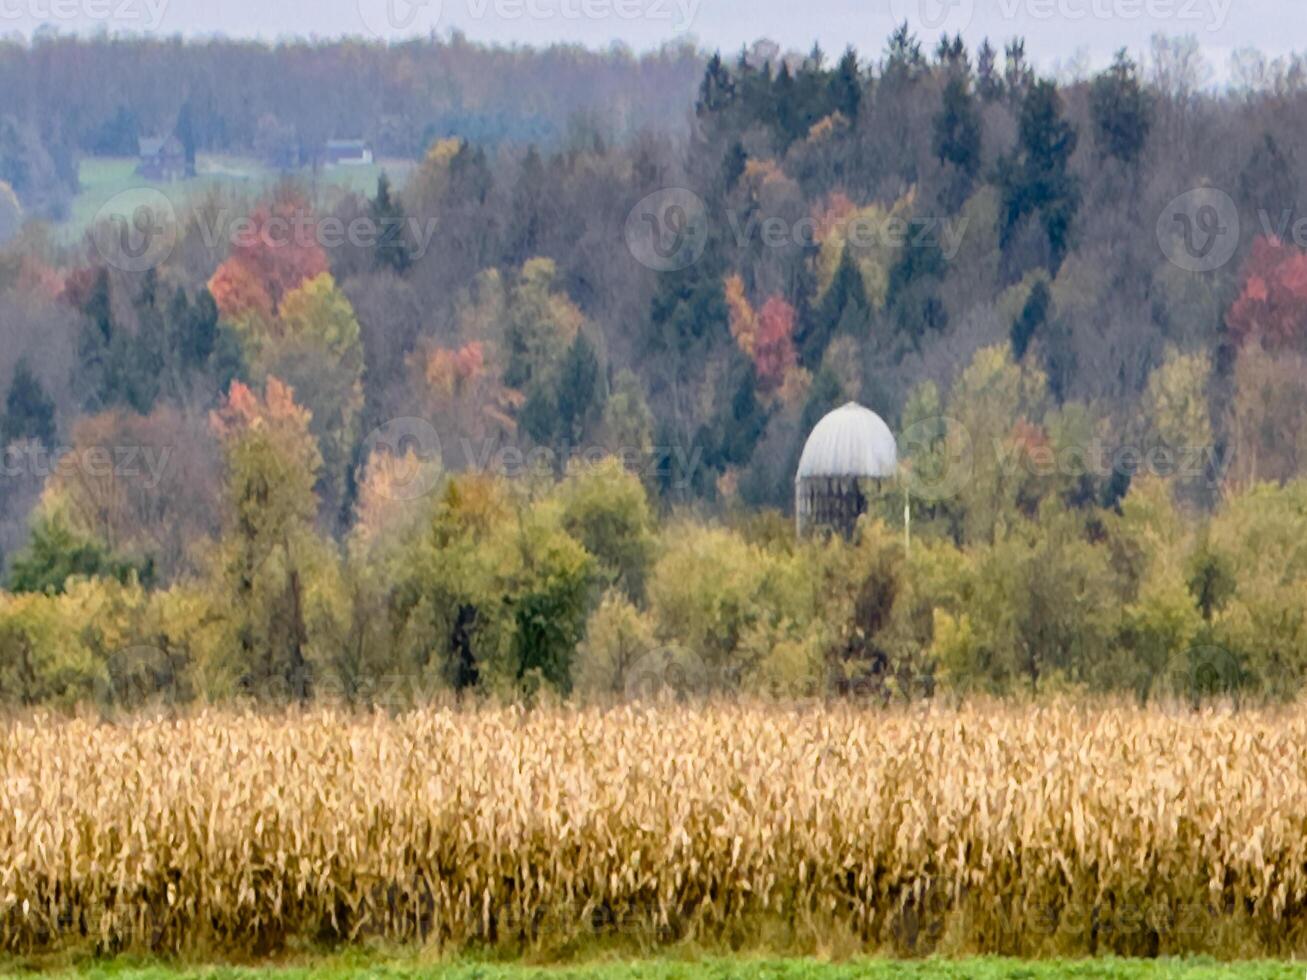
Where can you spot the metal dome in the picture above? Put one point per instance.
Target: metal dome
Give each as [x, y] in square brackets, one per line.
[851, 441]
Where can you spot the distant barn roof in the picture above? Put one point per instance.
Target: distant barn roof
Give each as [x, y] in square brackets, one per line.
[850, 441]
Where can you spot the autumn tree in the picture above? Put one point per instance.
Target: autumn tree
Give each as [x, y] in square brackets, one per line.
[268, 548]
[272, 255]
[314, 344]
[1268, 417]
[143, 487]
[1272, 304]
[766, 336]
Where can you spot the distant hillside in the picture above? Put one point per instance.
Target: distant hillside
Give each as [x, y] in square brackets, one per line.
[67, 96]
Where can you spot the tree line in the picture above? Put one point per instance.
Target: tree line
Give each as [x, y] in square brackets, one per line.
[987, 258]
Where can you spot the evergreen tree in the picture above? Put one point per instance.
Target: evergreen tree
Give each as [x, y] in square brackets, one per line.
[788, 110]
[539, 415]
[391, 225]
[470, 180]
[198, 328]
[912, 297]
[1269, 185]
[989, 85]
[1035, 178]
[957, 137]
[1121, 111]
[733, 166]
[187, 135]
[1018, 76]
[951, 53]
[740, 429]
[688, 314]
[140, 361]
[846, 86]
[56, 553]
[580, 393]
[1033, 316]
[529, 200]
[904, 61]
[717, 90]
[824, 396]
[842, 309]
[29, 411]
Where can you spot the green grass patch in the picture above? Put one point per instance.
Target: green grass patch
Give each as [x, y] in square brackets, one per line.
[712, 968]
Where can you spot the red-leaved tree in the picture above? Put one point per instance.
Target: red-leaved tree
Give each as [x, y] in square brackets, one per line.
[1272, 306]
[773, 347]
[277, 250]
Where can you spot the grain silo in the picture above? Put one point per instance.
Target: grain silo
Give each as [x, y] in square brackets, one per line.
[847, 456]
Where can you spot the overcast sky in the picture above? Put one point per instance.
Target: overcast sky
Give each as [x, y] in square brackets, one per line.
[1056, 30]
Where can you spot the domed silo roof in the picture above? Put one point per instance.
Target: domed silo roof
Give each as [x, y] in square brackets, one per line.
[851, 441]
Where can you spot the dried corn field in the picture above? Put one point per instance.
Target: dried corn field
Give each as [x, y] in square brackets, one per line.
[1026, 831]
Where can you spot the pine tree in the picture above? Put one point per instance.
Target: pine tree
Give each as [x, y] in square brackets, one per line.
[904, 61]
[989, 85]
[733, 166]
[842, 309]
[580, 395]
[1036, 177]
[1269, 185]
[912, 297]
[1018, 76]
[717, 90]
[1033, 316]
[846, 86]
[390, 224]
[957, 137]
[29, 411]
[56, 553]
[529, 198]
[1121, 111]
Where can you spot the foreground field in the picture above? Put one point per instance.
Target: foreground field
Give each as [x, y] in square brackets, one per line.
[1030, 832]
[732, 969]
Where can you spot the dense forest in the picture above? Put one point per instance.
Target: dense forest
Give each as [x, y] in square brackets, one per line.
[542, 430]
